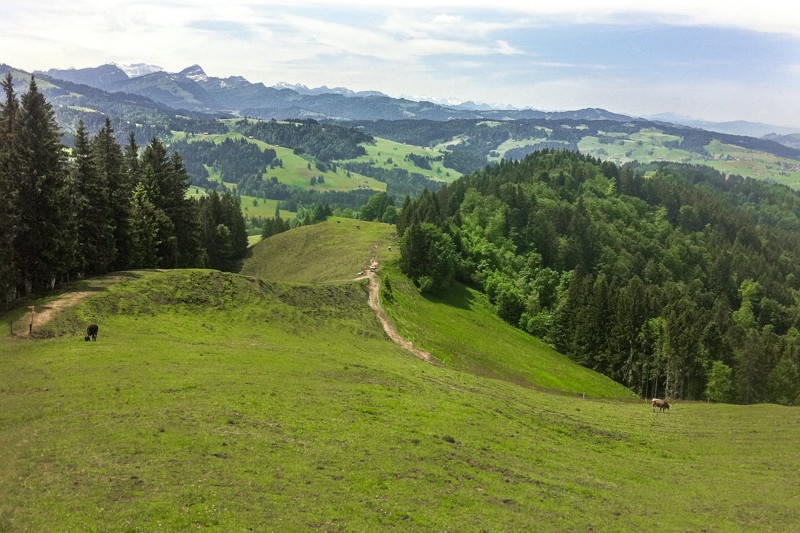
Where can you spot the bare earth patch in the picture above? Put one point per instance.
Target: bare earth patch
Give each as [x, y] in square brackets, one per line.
[48, 312]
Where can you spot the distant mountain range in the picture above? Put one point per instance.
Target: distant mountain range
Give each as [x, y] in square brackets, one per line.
[193, 90]
[736, 127]
[154, 100]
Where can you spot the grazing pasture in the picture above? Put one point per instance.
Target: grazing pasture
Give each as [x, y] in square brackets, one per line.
[230, 402]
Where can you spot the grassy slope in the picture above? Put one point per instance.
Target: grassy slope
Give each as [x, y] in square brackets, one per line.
[385, 150]
[213, 400]
[461, 330]
[723, 157]
[295, 171]
[334, 251]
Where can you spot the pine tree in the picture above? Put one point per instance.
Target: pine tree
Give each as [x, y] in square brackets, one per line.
[39, 158]
[234, 220]
[133, 166]
[9, 194]
[183, 212]
[111, 166]
[209, 215]
[166, 181]
[144, 226]
[95, 232]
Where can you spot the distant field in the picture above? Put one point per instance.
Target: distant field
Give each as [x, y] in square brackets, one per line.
[296, 172]
[647, 146]
[390, 154]
[736, 160]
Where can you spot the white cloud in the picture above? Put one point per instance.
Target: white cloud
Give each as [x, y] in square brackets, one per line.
[469, 49]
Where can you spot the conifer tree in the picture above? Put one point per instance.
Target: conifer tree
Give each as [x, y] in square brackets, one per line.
[39, 159]
[110, 165]
[9, 213]
[133, 166]
[95, 232]
[234, 220]
[145, 226]
[182, 212]
[209, 213]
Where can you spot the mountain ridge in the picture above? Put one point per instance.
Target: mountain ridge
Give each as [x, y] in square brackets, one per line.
[193, 89]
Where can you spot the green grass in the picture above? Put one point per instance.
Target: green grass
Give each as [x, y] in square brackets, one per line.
[295, 171]
[333, 251]
[390, 154]
[736, 160]
[235, 403]
[462, 330]
[216, 401]
[648, 145]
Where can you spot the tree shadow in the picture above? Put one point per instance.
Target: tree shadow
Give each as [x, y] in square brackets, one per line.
[456, 295]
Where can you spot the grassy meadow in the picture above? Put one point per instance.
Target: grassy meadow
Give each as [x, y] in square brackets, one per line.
[648, 145]
[462, 330]
[274, 402]
[295, 171]
[390, 154]
[336, 250]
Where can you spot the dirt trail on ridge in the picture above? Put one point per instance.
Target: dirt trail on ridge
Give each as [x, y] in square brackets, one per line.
[388, 326]
[47, 312]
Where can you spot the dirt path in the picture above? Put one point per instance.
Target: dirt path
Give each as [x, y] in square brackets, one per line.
[388, 327]
[47, 312]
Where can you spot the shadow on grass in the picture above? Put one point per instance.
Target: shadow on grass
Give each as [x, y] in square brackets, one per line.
[456, 295]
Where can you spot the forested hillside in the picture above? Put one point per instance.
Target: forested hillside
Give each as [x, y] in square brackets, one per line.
[66, 214]
[671, 279]
[471, 144]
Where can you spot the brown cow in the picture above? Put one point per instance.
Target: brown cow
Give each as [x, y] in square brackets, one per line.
[661, 404]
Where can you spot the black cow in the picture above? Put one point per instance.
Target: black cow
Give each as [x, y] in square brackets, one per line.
[91, 332]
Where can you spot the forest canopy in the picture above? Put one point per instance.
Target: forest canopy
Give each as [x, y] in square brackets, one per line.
[672, 279]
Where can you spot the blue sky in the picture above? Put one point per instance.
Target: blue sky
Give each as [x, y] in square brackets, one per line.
[705, 59]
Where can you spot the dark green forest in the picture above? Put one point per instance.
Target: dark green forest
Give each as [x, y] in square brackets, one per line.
[326, 142]
[672, 279]
[97, 207]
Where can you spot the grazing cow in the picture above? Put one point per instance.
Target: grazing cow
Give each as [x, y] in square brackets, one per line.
[91, 332]
[662, 405]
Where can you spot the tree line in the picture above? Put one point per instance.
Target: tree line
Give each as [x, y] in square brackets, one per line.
[684, 283]
[326, 142]
[97, 207]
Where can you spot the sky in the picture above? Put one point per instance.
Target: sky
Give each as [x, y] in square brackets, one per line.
[705, 59]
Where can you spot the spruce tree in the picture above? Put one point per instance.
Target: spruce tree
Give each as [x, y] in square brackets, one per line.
[209, 215]
[39, 157]
[133, 166]
[182, 212]
[234, 220]
[110, 165]
[95, 232]
[9, 194]
[145, 227]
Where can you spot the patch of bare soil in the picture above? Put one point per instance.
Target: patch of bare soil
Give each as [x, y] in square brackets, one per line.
[46, 313]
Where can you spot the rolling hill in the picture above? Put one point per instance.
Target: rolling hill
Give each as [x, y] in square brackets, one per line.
[274, 402]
